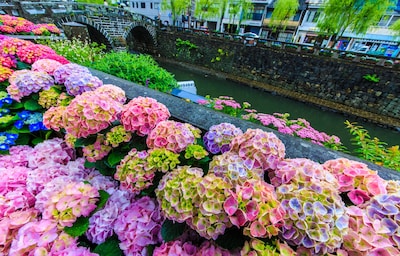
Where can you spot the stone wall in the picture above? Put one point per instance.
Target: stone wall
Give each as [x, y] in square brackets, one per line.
[203, 118]
[335, 80]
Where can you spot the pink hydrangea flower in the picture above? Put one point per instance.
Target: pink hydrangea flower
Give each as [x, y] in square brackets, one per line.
[25, 83]
[51, 188]
[74, 200]
[210, 248]
[34, 237]
[357, 179]
[142, 114]
[259, 149]
[51, 151]
[18, 156]
[89, 113]
[114, 92]
[172, 135]
[53, 118]
[46, 65]
[63, 72]
[231, 167]
[56, 57]
[77, 83]
[134, 173]
[10, 45]
[299, 169]
[365, 235]
[254, 205]
[10, 225]
[98, 150]
[14, 200]
[139, 226]
[175, 248]
[31, 53]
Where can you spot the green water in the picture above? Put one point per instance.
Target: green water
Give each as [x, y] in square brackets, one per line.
[265, 102]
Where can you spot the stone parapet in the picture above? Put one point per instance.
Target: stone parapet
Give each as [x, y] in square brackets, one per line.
[203, 118]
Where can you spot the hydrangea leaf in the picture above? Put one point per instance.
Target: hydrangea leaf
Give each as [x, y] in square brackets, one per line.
[38, 140]
[231, 239]
[171, 230]
[81, 142]
[32, 105]
[114, 158]
[102, 200]
[109, 248]
[79, 228]
[22, 65]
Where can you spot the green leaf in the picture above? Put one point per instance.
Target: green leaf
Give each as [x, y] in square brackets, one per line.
[102, 167]
[114, 158]
[232, 238]
[79, 228]
[171, 230]
[89, 164]
[22, 65]
[109, 248]
[16, 105]
[32, 105]
[36, 141]
[81, 142]
[23, 139]
[102, 200]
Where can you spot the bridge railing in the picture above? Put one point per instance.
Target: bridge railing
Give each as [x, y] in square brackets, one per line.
[370, 59]
[54, 9]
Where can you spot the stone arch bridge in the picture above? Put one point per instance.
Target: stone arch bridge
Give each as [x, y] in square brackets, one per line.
[114, 27]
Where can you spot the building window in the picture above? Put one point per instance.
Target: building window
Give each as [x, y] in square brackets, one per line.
[156, 6]
[313, 16]
[151, 5]
[393, 20]
[143, 5]
[137, 5]
[257, 13]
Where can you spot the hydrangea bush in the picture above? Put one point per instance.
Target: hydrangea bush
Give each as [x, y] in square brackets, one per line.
[118, 176]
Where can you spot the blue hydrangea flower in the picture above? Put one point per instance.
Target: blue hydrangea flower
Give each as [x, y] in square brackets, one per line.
[7, 140]
[24, 114]
[19, 124]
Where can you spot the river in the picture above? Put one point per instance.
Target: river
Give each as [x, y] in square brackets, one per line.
[327, 121]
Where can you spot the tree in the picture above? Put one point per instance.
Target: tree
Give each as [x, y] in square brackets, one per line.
[206, 9]
[177, 7]
[283, 11]
[238, 8]
[223, 5]
[351, 15]
[396, 27]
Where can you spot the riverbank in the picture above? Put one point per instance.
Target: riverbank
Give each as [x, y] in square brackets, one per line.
[388, 122]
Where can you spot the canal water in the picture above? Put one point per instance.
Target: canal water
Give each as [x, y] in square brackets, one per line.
[327, 121]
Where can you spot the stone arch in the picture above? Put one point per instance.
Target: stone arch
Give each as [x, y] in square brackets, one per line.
[141, 37]
[96, 32]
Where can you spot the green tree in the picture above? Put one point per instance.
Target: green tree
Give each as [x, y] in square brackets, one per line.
[238, 8]
[222, 5]
[206, 9]
[396, 27]
[283, 11]
[177, 7]
[351, 15]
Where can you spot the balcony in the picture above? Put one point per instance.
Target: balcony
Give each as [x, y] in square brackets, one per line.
[289, 24]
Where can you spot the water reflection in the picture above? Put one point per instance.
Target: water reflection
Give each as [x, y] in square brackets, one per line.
[265, 102]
